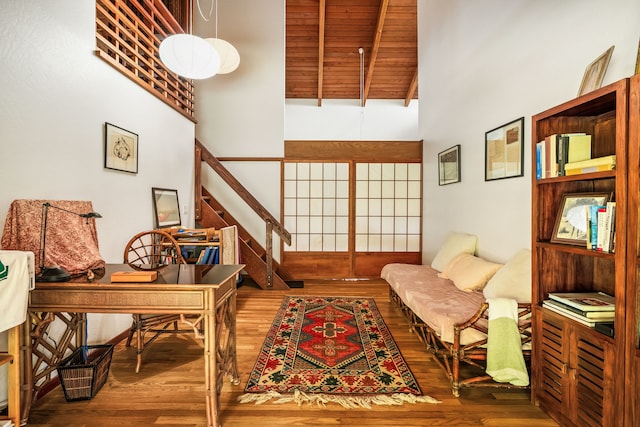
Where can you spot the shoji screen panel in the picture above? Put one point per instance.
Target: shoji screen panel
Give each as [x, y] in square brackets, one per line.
[316, 206]
[348, 218]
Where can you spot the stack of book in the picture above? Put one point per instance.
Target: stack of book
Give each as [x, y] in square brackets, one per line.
[601, 227]
[558, 151]
[588, 308]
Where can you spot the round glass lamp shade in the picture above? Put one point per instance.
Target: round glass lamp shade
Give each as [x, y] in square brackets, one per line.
[229, 56]
[189, 56]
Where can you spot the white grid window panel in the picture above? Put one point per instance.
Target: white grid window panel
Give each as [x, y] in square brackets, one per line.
[316, 206]
[388, 207]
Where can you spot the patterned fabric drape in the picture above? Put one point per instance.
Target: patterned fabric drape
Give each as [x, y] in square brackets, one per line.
[72, 241]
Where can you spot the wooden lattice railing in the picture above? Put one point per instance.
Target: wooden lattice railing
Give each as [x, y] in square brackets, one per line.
[128, 35]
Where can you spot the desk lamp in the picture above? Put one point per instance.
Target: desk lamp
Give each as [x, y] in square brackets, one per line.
[55, 273]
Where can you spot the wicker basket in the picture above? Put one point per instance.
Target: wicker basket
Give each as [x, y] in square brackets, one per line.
[82, 378]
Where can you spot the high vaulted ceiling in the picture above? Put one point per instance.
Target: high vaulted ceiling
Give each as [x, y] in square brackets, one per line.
[323, 38]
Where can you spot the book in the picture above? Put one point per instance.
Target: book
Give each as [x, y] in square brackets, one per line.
[204, 255]
[572, 147]
[602, 226]
[539, 162]
[609, 227]
[214, 257]
[595, 315]
[593, 226]
[588, 232]
[551, 161]
[579, 148]
[580, 319]
[133, 276]
[586, 301]
[591, 165]
[562, 152]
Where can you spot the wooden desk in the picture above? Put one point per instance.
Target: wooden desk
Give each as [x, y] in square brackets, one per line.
[205, 290]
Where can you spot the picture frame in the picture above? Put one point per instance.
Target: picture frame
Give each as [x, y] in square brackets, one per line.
[594, 74]
[449, 166]
[572, 214]
[120, 149]
[166, 207]
[504, 151]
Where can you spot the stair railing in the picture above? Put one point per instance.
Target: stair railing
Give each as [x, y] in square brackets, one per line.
[272, 224]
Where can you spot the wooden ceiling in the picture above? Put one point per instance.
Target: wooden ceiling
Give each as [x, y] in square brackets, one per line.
[323, 38]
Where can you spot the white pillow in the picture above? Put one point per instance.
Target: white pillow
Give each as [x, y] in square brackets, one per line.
[454, 245]
[469, 273]
[513, 280]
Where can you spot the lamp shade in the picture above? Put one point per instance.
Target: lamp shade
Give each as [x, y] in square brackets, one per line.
[229, 56]
[189, 56]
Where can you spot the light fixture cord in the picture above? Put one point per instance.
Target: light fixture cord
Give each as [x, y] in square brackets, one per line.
[361, 51]
[210, 11]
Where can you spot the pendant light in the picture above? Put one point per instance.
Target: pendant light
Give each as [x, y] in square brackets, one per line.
[189, 56]
[196, 58]
[229, 56]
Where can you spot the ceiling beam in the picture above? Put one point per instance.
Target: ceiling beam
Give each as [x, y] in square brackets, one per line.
[382, 13]
[321, 23]
[412, 88]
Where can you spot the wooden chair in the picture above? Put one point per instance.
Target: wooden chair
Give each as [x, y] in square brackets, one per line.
[152, 250]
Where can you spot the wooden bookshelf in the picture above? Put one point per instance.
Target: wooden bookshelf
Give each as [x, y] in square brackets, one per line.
[576, 370]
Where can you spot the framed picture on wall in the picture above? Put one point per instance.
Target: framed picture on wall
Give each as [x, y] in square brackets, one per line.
[120, 149]
[449, 165]
[166, 208]
[504, 151]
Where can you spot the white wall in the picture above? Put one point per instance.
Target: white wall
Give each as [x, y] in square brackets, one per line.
[485, 63]
[56, 96]
[244, 114]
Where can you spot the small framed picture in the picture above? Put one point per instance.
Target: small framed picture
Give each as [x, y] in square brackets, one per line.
[120, 149]
[504, 152]
[571, 222]
[449, 165]
[166, 208]
[638, 59]
[594, 74]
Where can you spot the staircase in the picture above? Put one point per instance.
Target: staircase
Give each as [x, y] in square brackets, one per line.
[259, 262]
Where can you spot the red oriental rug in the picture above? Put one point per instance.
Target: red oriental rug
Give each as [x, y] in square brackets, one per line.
[331, 349]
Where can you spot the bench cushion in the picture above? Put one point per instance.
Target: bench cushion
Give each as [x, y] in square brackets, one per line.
[454, 245]
[436, 301]
[513, 280]
[469, 273]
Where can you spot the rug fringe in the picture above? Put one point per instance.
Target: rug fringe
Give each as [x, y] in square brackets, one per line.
[321, 399]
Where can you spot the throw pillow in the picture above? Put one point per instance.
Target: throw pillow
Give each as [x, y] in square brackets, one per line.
[469, 273]
[454, 245]
[513, 280]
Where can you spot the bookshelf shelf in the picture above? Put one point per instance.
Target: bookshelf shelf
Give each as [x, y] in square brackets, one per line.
[574, 366]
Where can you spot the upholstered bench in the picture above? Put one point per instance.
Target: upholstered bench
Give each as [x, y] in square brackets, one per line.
[447, 305]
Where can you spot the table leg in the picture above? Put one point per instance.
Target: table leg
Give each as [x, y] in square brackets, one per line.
[219, 352]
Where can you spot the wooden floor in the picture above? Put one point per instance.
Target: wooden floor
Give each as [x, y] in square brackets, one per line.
[169, 390]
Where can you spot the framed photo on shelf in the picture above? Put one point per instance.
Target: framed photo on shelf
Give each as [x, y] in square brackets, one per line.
[166, 208]
[638, 59]
[449, 165]
[504, 151]
[571, 221]
[594, 74]
[120, 149]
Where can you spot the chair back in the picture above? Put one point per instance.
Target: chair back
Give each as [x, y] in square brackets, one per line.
[151, 250]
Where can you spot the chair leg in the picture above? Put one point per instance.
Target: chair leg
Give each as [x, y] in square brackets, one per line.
[134, 326]
[139, 348]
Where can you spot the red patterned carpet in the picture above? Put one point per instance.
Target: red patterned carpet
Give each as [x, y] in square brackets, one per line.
[322, 349]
